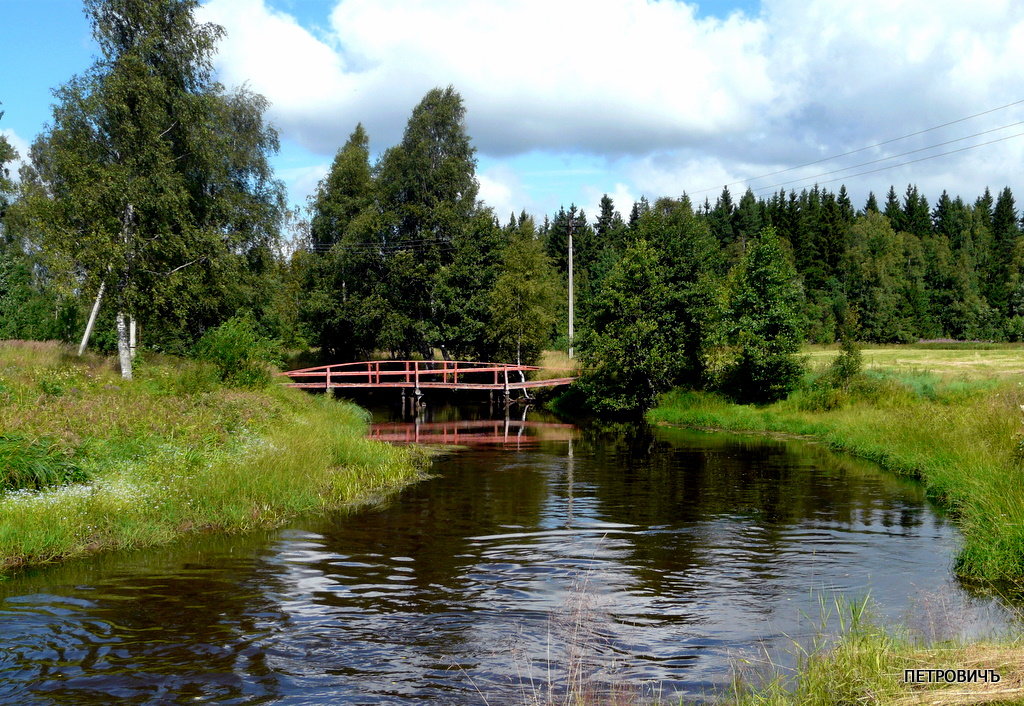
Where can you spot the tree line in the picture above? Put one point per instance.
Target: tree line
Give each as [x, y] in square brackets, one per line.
[150, 194]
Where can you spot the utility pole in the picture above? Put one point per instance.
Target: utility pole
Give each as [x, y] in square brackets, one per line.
[571, 219]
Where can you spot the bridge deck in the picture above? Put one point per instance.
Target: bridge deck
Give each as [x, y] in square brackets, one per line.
[420, 375]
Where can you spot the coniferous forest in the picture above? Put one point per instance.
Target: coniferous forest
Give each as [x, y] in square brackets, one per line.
[150, 192]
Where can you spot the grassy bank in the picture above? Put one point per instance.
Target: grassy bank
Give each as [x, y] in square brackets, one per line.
[866, 665]
[962, 438]
[93, 462]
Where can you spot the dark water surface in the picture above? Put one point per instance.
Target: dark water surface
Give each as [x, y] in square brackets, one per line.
[644, 557]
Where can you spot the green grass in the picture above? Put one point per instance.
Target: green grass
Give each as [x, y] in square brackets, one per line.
[104, 464]
[956, 360]
[865, 664]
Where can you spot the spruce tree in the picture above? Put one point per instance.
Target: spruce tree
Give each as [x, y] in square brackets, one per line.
[1005, 236]
[846, 211]
[344, 193]
[748, 219]
[348, 265]
[721, 219]
[916, 216]
[893, 211]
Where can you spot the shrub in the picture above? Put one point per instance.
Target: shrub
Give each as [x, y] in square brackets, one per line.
[1015, 328]
[241, 355]
[846, 366]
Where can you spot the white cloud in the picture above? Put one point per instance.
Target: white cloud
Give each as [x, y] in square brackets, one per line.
[622, 197]
[673, 102]
[597, 76]
[502, 190]
[302, 182]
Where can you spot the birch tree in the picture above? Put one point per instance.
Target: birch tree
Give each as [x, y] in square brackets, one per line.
[150, 174]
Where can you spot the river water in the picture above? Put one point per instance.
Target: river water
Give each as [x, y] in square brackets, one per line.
[644, 560]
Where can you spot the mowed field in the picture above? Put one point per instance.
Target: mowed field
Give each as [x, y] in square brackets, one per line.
[970, 361]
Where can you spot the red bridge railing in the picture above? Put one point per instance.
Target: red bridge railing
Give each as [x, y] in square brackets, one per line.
[420, 374]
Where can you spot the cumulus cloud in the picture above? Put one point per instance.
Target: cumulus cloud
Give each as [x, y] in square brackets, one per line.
[578, 74]
[675, 101]
[502, 189]
[621, 195]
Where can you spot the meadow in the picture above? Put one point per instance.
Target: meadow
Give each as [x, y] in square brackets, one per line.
[966, 361]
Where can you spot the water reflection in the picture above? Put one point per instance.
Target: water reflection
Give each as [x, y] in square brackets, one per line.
[513, 433]
[667, 553]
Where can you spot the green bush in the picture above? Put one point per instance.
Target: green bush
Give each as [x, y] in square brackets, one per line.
[1015, 328]
[241, 355]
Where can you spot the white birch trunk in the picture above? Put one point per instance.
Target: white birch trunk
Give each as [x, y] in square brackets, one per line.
[132, 337]
[92, 319]
[123, 348]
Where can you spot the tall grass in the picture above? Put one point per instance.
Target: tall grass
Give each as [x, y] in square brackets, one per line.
[963, 439]
[104, 463]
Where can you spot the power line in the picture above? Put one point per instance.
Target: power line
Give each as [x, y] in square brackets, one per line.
[894, 156]
[911, 161]
[862, 149]
[370, 248]
[401, 245]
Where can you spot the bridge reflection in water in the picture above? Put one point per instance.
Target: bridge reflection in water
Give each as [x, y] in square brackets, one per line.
[500, 432]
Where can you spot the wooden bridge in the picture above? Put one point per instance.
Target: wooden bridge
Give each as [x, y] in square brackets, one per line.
[419, 375]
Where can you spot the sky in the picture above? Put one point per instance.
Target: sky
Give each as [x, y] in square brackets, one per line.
[567, 100]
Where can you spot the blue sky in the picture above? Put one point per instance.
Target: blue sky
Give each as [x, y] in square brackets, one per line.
[568, 100]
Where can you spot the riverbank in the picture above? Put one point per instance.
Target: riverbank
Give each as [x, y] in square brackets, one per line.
[961, 438]
[92, 463]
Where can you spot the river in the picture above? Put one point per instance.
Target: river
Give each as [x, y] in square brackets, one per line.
[644, 560]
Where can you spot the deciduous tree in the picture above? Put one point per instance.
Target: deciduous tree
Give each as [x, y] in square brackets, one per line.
[764, 315]
[153, 181]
